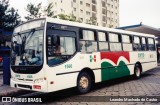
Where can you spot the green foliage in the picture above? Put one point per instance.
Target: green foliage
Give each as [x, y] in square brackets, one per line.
[68, 17]
[34, 11]
[48, 10]
[37, 11]
[63, 16]
[9, 17]
[92, 21]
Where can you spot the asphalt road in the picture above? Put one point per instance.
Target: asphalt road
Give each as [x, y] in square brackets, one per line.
[147, 85]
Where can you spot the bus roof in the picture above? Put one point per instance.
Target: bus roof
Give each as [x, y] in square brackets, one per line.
[82, 25]
[70, 23]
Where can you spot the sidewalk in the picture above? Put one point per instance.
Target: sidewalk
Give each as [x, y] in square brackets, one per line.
[6, 90]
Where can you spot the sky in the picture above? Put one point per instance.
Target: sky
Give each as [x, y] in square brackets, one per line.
[135, 11]
[131, 11]
[21, 5]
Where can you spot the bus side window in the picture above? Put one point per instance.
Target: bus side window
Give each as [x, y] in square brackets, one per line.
[88, 41]
[127, 43]
[144, 44]
[103, 41]
[151, 44]
[115, 42]
[136, 43]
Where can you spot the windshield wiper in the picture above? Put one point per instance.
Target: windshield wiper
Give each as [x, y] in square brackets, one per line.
[25, 38]
[32, 31]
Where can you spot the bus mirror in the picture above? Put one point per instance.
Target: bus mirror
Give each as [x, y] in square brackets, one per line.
[54, 39]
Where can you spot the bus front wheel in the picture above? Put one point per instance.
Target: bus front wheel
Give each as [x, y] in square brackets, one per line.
[137, 71]
[84, 83]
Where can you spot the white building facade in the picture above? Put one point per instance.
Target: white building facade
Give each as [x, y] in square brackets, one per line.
[98, 12]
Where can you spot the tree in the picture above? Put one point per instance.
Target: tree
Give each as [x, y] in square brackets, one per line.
[9, 17]
[37, 11]
[48, 10]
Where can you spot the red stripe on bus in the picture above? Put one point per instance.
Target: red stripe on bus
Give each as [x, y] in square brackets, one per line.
[114, 56]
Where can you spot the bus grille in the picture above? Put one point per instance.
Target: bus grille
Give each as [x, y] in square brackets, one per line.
[25, 86]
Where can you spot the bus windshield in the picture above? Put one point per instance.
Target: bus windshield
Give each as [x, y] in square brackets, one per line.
[27, 48]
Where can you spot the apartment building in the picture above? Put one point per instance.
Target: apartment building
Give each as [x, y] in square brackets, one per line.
[98, 12]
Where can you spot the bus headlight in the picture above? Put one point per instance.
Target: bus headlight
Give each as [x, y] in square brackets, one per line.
[38, 80]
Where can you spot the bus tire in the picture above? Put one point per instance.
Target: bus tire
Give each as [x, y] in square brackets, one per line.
[84, 83]
[137, 71]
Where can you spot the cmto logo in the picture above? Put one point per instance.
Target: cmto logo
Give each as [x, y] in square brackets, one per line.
[92, 58]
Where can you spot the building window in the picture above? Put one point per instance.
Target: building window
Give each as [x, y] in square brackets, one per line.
[81, 2]
[94, 8]
[87, 5]
[108, 4]
[112, 6]
[81, 19]
[94, 15]
[103, 4]
[94, 1]
[104, 18]
[74, 1]
[103, 11]
[74, 9]
[81, 11]
[87, 13]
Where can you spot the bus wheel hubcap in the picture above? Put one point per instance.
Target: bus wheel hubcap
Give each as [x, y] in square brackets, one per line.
[137, 71]
[83, 82]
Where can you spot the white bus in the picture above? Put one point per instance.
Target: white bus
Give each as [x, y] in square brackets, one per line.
[51, 54]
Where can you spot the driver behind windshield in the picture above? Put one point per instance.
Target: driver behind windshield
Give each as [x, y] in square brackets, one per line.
[35, 58]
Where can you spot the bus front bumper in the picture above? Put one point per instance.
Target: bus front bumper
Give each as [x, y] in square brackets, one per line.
[41, 87]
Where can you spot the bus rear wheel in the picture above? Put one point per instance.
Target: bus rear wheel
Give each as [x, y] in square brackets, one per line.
[137, 71]
[84, 83]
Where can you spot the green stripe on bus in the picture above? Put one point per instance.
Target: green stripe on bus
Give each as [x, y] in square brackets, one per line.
[113, 72]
